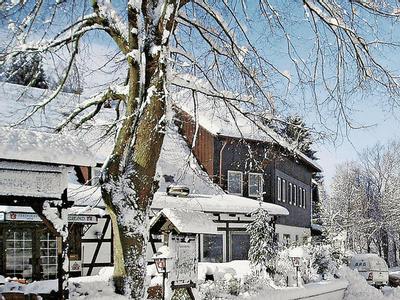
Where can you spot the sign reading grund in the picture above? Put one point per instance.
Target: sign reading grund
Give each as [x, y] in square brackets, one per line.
[31, 217]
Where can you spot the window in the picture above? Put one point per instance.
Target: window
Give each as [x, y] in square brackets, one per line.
[294, 194]
[235, 182]
[290, 193]
[48, 255]
[212, 248]
[279, 189]
[284, 190]
[255, 184]
[304, 198]
[19, 253]
[300, 197]
[286, 239]
[96, 171]
[240, 245]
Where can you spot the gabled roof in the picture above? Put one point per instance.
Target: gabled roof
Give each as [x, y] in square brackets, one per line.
[41, 147]
[184, 221]
[221, 118]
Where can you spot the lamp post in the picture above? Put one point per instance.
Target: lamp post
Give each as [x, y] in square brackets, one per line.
[161, 259]
[295, 255]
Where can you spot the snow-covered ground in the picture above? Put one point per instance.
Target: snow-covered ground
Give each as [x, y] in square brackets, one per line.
[232, 281]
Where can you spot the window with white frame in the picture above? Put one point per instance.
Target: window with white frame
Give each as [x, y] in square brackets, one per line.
[279, 189]
[304, 198]
[300, 197]
[255, 184]
[294, 194]
[290, 193]
[284, 190]
[235, 182]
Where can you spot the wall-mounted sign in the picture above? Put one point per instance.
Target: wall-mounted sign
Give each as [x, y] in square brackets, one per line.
[32, 183]
[82, 219]
[185, 271]
[32, 217]
[21, 216]
[75, 266]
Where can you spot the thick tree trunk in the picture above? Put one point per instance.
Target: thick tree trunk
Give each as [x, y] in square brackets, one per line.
[127, 180]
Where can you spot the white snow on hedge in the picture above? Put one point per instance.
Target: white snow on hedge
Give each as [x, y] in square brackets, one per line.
[34, 146]
[236, 268]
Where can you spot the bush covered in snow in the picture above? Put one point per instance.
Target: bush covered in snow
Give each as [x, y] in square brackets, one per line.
[316, 263]
[230, 287]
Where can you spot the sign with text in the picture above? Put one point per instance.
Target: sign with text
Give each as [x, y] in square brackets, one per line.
[32, 183]
[32, 217]
[186, 262]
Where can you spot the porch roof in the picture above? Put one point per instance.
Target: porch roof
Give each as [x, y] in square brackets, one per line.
[184, 221]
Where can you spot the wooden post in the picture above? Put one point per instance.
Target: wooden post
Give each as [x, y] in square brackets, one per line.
[62, 252]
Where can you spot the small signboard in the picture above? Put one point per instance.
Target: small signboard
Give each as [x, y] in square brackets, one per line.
[184, 272]
[32, 184]
[75, 266]
[32, 217]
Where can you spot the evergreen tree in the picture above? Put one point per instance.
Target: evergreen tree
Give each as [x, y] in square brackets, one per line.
[263, 245]
[26, 69]
[296, 131]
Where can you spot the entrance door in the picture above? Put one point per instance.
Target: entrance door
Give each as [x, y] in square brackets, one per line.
[18, 249]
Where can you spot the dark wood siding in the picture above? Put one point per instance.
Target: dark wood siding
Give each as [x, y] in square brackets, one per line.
[204, 144]
[250, 156]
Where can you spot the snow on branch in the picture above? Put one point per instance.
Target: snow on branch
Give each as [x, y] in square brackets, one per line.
[98, 100]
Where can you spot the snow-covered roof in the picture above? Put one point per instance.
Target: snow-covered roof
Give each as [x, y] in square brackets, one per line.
[186, 221]
[17, 100]
[221, 118]
[223, 203]
[34, 146]
[178, 166]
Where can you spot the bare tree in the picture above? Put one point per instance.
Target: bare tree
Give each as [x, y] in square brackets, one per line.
[228, 44]
[364, 201]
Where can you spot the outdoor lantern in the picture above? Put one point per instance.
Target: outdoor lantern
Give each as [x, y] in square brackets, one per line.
[162, 259]
[295, 255]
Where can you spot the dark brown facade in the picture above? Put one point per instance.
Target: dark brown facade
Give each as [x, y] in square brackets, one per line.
[220, 154]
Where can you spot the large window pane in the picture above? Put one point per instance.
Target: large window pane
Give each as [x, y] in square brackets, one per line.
[235, 180]
[48, 255]
[255, 184]
[19, 253]
[240, 245]
[212, 248]
[279, 189]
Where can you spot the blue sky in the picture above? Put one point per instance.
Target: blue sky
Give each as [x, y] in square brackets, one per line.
[368, 111]
[331, 154]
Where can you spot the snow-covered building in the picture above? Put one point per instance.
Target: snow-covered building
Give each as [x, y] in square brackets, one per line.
[218, 175]
[247, 158]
